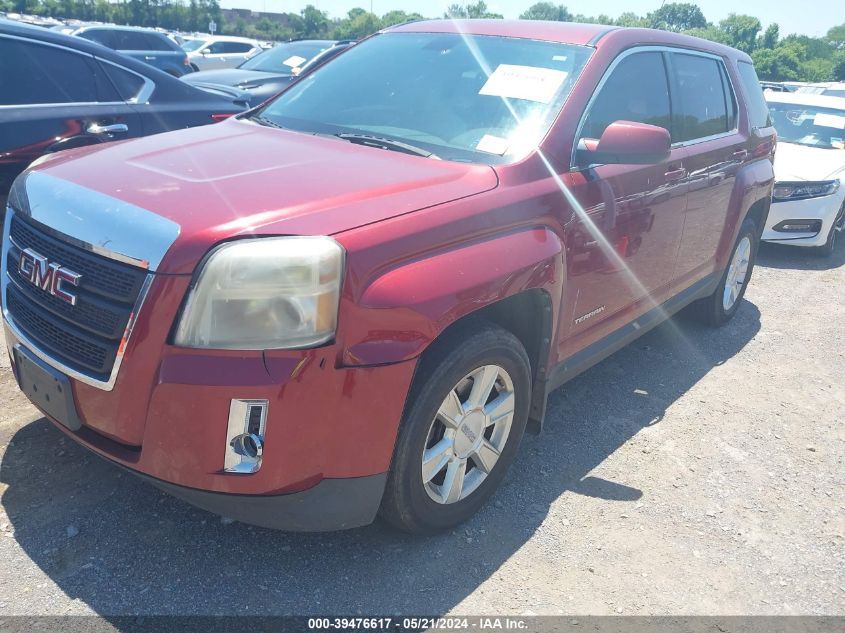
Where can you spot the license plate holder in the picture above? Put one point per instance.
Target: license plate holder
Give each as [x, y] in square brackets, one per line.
[47, 388]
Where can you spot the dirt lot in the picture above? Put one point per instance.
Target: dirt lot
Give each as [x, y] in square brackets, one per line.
[696, 472]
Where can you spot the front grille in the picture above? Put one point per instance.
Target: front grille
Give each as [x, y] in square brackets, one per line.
[100, 275]
[85, 336]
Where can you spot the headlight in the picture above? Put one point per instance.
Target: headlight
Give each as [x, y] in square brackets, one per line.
[803, 190]
[273, 292]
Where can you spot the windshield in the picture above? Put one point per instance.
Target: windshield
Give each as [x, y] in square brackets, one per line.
[284, 58]
[809, 125]
[192, 45]
[469, 98]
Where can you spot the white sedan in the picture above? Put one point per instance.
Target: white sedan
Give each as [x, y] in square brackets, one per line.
[808, 202]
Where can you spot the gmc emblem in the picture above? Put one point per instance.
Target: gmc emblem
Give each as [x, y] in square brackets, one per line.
[49, 276]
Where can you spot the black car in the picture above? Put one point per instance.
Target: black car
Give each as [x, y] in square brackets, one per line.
[60, 92]
[268, 73]
[145, 45]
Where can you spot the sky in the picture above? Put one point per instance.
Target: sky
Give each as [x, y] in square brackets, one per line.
[813, 18]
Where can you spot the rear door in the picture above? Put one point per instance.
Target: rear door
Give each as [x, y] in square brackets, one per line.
[54, 98]
[704, 122]
[623, 241]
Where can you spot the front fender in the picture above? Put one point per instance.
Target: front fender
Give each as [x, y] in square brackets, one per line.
[402, 311]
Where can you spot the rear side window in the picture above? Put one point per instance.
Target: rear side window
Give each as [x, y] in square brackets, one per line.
[703, 105]
[130, 41]
[236, 47]
[32, 73]
[128, 84]
[758, 110]
[636, 90]
[158, 42]
[100, 36]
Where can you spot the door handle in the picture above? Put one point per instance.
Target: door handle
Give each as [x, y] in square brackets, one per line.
[114, 128]
[676, 174]
[740, 154]
[149, 58]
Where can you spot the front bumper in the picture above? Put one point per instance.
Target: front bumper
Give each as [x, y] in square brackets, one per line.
[333, 504]
[826, 209]
[328, 444]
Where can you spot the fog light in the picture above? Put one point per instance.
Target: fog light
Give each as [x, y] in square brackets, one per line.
[245, 436]
[799, 226]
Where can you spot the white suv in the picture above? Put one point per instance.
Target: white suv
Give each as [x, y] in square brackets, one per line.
[211, 53]
[808, 202]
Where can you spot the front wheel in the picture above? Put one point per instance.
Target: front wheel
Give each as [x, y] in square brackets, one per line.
[720, 307]
[838, 225]
[463, 424]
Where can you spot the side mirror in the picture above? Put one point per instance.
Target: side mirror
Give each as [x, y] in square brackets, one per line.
[205, 51]
[626, 143]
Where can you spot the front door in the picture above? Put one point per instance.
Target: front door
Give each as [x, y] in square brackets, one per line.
[622, 242]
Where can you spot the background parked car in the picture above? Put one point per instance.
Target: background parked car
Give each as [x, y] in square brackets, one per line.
[809, 200]
[61, 92]
[268, 73]
[829, 89]
[777, 86]
[145, 45]
[220, 52]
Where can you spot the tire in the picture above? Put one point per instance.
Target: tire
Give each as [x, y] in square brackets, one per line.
[448, 371]
[830, 244]
[716, 310]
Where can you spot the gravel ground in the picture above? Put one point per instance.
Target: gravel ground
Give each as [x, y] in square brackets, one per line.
[695, 472]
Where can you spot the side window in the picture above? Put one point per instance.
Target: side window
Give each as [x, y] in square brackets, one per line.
[128, 84]
[217, 48]
[32, 73]
[100, 36]
[637, 90]
[236, 47]
[130, 41]
[700, 105]
[758, 109]
[156, 42]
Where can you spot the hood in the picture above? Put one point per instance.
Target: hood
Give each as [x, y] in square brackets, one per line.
[239, 178]
[234, 77]
[799, 162]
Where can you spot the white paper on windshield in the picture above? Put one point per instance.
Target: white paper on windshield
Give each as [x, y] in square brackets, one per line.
[524, 82]
[492, 144]
[829, 120]
[294, 61]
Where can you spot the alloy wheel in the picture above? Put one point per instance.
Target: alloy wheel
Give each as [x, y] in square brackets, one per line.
[737, 273]
[468, 434]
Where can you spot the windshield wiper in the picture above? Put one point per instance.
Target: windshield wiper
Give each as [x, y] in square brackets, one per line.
[264, 121]
[386, 143]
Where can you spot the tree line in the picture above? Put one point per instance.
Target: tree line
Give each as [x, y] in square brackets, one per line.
[792, 57]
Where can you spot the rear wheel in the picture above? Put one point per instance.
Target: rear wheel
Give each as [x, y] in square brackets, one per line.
[461, 430]
[720, 307]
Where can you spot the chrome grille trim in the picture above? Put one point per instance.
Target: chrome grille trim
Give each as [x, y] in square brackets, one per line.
[93, 221]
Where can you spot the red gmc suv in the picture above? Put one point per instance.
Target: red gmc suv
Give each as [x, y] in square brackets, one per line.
[354, 299]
